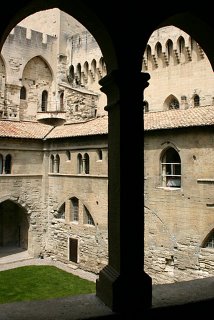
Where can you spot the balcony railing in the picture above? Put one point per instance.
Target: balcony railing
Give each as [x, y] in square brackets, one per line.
[51, 112]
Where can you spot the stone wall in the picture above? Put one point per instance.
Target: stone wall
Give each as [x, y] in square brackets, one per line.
[91, 190]
[178, 69]
[177, 220]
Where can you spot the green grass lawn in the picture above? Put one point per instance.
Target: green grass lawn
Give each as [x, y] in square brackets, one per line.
[39, 283]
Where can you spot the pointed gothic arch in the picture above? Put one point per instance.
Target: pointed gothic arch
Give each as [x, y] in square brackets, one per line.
[14, 225]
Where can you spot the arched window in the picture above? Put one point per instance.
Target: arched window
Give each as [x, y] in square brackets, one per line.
[74, 209]
[44, 100]
[159, 49]
[93, 69]
[87, 168]
[61, 100]
[100, 154]
[71, 74]
[181, 45]
[93, 65]
[209, 240]
[68, 154]
[23, 93]
[79, 163]
[8, 161]
[196, 99]
[146, 106]
[148, 52]
[181, 49]
[169, 47]
[85, 72]
[102, 66]
[173, 104]
[57, 163]
[52, 163]
[78, 75]
[1, 164]
[87, 218]
[159, 54]
[149, 60]
[171, 168]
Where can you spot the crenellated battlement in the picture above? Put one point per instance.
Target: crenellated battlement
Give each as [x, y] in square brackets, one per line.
[22, 35]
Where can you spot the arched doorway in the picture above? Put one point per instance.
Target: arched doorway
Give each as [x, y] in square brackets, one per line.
[13, 225]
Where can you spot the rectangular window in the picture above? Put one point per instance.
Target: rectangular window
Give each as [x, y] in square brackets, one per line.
[73, 250]
[171, 174]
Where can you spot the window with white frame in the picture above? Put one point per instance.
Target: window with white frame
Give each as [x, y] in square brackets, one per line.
[171, 168]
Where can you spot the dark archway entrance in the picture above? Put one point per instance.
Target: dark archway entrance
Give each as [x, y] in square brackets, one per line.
[13, 225]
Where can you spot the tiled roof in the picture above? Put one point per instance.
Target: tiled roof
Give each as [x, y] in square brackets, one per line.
[92, 127]
[198, 116]
[23, 129]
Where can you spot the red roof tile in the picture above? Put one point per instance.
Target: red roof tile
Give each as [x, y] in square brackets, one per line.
[96, 126]
[36, 130]
[23, 129]
[199, 116]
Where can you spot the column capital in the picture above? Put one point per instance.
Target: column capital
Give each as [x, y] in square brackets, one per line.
[116, 85]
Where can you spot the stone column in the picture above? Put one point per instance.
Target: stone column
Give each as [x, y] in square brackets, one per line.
[83, 165]
[56, 165]
[3, 164]
[123, 285]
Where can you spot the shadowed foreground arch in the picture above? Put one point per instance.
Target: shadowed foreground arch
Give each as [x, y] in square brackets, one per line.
[123, 285]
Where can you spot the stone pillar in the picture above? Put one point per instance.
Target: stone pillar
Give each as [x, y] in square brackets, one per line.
[83, 165]
[123, 285]
[3, 164]
[56, 165]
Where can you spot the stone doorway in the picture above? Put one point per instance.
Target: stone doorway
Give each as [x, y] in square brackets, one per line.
[13, 226]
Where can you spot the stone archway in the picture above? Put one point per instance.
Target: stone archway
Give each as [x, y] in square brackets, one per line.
[13, 225]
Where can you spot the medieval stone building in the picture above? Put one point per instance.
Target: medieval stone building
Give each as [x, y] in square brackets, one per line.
[178, 153]
[54, 148]
[123, 284]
